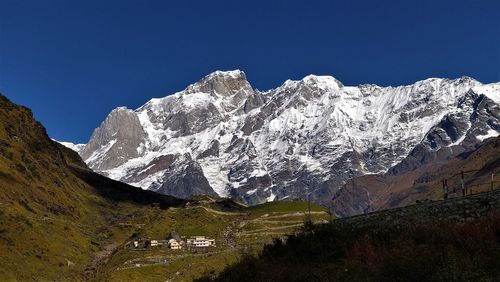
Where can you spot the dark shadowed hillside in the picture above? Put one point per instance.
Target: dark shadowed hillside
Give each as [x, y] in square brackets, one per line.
[453, 240]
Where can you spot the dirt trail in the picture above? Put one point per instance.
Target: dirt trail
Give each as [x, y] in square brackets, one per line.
[271, 228]
[282, 214]
[100, 259]
[217, 212]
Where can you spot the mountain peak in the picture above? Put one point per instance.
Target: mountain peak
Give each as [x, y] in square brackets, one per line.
[232, 74]
[120, 109]
[224, 83]
[322, 81]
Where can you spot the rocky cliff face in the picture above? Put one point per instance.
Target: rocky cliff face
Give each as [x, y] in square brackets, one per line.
[115, 141]
[306, 137]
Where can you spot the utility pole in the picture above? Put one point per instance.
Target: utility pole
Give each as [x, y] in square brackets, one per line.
[463, 184]
[308, 202]
[330, 210]
[492, 177]
[308, 194]
[445, 189]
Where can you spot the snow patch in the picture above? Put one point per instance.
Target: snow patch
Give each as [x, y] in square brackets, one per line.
[251, 192]
[491, 91]
[98, 155]
[491, 133]
[75, 147]
[271, 197]
[195, 100]
[216, 176]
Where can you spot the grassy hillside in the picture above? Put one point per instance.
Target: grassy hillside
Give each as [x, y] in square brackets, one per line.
[59, 221]
[57, 216]
[284, 207]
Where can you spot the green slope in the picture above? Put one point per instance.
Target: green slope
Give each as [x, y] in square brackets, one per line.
[285, 206]
[56, 215]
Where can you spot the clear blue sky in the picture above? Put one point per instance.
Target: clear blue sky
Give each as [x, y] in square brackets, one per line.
[73, 61]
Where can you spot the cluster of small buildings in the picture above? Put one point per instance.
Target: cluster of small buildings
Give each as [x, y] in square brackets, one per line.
[175, 242]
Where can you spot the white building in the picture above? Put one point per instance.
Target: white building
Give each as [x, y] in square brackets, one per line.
[174, 245]
[200, 242]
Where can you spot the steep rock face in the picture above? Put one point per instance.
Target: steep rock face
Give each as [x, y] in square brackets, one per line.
[115, 141]
[304, 138]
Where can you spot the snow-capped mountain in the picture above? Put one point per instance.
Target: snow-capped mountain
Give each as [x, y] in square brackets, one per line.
[221, 136]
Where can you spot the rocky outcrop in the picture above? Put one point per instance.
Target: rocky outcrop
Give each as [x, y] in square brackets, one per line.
[115, 141]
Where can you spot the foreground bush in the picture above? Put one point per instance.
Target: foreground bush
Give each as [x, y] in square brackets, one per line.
[453, 251]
